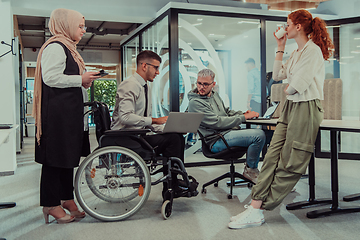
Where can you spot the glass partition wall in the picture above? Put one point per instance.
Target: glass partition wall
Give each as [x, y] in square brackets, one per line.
[222, 44]
[129, 53]
[156, 39]
[190, 40]
[344, 65]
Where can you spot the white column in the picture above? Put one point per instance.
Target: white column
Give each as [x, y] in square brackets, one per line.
[7, 90]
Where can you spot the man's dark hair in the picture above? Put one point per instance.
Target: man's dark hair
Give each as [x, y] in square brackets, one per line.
[145, 56]
[250, 60]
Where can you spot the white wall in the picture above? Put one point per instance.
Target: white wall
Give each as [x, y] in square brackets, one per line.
[7, 90]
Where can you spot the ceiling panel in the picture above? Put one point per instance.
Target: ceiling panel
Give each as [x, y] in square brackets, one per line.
[100, 34]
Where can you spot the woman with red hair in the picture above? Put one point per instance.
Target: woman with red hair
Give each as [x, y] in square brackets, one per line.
[293, 141]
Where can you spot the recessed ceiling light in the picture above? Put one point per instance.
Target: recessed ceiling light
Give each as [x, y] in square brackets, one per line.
[212, 35]
[249, 22]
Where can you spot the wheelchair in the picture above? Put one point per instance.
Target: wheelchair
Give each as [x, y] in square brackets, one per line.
[114, 181]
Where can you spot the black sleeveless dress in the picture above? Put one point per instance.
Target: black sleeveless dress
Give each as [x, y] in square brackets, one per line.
[62, 122]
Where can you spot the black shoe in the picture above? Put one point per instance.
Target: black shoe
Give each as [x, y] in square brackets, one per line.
[182, 190]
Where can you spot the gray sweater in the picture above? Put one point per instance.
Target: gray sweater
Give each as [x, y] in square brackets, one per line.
[217, 118]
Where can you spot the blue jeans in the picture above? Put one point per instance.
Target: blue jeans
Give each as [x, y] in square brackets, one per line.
[254, 139]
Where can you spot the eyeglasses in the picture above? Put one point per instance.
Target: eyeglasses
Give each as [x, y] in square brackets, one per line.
[156, 67]
[205, 85]
[83, 28]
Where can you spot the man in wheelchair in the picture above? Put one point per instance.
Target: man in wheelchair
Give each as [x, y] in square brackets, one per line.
[133, 111]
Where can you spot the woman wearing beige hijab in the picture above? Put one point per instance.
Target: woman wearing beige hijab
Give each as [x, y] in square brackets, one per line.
[58, 112]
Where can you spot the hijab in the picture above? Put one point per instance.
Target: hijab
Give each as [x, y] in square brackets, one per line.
[63, 25]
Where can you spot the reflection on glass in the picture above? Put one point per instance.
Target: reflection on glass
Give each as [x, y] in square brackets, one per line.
[350, 76]
[131, 50]
[223, 45]
[156, 39]
[254, 86]
[329, 65]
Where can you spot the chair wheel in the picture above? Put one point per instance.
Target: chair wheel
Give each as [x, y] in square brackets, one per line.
[250, 185]
[230, 196]
[216, 184]
[203, 191]
[166, 209]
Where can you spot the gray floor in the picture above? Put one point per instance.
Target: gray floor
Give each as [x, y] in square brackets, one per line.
[203, 217]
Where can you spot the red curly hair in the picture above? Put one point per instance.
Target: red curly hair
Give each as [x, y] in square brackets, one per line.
[316, 28]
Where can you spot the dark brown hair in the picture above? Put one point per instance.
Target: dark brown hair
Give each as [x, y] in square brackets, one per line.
[145, 56]
[316, 28]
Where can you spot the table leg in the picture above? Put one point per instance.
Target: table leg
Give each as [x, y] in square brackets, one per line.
[7, 205]
[352, 197]
[334, 183]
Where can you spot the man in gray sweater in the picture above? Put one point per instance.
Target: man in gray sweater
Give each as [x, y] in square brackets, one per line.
[218, 119]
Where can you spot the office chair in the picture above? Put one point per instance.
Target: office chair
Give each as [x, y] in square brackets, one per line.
[230, 154]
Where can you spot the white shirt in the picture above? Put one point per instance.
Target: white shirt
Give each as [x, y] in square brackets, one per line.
[305, 72]
[53, 63]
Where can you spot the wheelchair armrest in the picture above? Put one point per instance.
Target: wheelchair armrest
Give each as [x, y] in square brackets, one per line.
[126, 132]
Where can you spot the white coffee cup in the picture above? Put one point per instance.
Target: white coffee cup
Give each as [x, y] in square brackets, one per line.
[280, 33]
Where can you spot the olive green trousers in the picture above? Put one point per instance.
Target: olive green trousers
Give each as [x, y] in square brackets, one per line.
[289, 152]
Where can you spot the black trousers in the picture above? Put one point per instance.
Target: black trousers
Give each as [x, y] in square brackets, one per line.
[56, 184]
[168, 145]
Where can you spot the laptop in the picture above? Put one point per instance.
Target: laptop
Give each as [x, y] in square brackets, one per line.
[183, 122]
[269, 112]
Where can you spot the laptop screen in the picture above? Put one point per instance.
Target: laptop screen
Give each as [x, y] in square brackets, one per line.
[270, 111]
[183, 122]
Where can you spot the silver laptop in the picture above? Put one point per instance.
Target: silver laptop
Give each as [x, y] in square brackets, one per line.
[269, 112]
[183, 122]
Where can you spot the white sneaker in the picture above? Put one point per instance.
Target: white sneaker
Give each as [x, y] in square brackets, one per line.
[249, 218]
[233, 218]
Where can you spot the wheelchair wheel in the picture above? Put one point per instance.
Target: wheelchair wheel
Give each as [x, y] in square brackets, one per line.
[112, 183]
[106, 161]
[166, 209]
